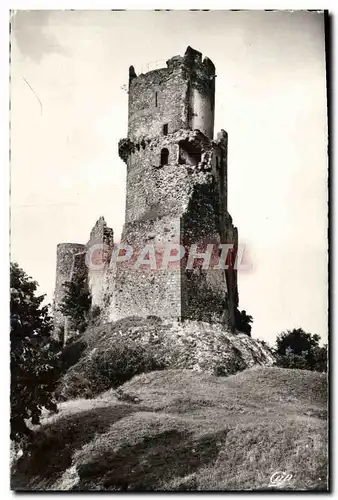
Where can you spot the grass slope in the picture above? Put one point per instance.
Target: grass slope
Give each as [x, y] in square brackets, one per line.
[187, 431]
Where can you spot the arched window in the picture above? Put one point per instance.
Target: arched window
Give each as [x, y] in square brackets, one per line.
[164, 157]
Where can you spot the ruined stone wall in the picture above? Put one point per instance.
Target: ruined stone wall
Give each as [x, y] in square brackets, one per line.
[150, 185]
[77, 262]
[176, 292]
[231, 274]
[155, 99]
[202, 115]
[176, 195]
[180, 203]
[180, 96]
[219, 165]
[188, 193]
[144, 174]
[201, 94]
[64, 270]
[79, 269]
[148, 289]
[203, 291]
[99, 249]
[228, 232]
[79, 273]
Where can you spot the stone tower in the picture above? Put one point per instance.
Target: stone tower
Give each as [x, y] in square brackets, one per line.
[176, 195]
[176, 201]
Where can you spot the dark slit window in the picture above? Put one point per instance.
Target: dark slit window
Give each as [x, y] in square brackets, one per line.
[156, 102]
[165, 129]
[164, 157]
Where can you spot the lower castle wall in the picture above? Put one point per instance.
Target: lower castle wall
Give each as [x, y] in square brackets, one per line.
[139, 290]
[204, 291]
[64, 269]
[99, 249]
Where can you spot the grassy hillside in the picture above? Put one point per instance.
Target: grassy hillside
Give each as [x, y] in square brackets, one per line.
[182, 430]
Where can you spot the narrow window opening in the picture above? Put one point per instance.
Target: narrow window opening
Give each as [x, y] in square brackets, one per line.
[164, 157]
[156, 100]
[165, 129]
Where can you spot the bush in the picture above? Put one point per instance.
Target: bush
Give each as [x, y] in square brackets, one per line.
[76, 303]
[106, 369]
[320, 359]
[94, 315]
[234, 365]
[243, 322]
[292, 360]
[71, 353]
[120, 363]
[74, 386]
[299, 349]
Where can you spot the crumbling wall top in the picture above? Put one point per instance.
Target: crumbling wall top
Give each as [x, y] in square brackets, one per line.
[192, 59]
[222, 137]
[101, 233]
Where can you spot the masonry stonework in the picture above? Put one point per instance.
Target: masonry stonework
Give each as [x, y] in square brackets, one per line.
[65, 254]
[99, 248]
[176, 195]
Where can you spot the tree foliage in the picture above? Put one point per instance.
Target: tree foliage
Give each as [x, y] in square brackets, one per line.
[299, 349]
[243, 322]
[76, 303]
[34, 356]
[108, 368]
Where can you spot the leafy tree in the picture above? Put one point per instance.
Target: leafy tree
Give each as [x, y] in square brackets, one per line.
[299, 349]
[34, 355]
[292, 360]
[297, 340]
[76, 303]
[321, 359]
[243, 322]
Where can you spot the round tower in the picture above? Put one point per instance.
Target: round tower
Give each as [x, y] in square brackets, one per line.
[163, 105]
[201, 90]
[180, 96]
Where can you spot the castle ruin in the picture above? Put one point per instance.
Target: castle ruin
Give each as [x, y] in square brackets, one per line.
[176, 196]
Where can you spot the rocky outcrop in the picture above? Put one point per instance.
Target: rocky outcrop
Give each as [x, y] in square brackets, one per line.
[194, 345]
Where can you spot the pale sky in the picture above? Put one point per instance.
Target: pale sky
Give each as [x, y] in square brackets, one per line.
[69, 110]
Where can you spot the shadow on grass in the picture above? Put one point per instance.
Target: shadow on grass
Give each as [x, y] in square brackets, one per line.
[149, 464]
[53, 446]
